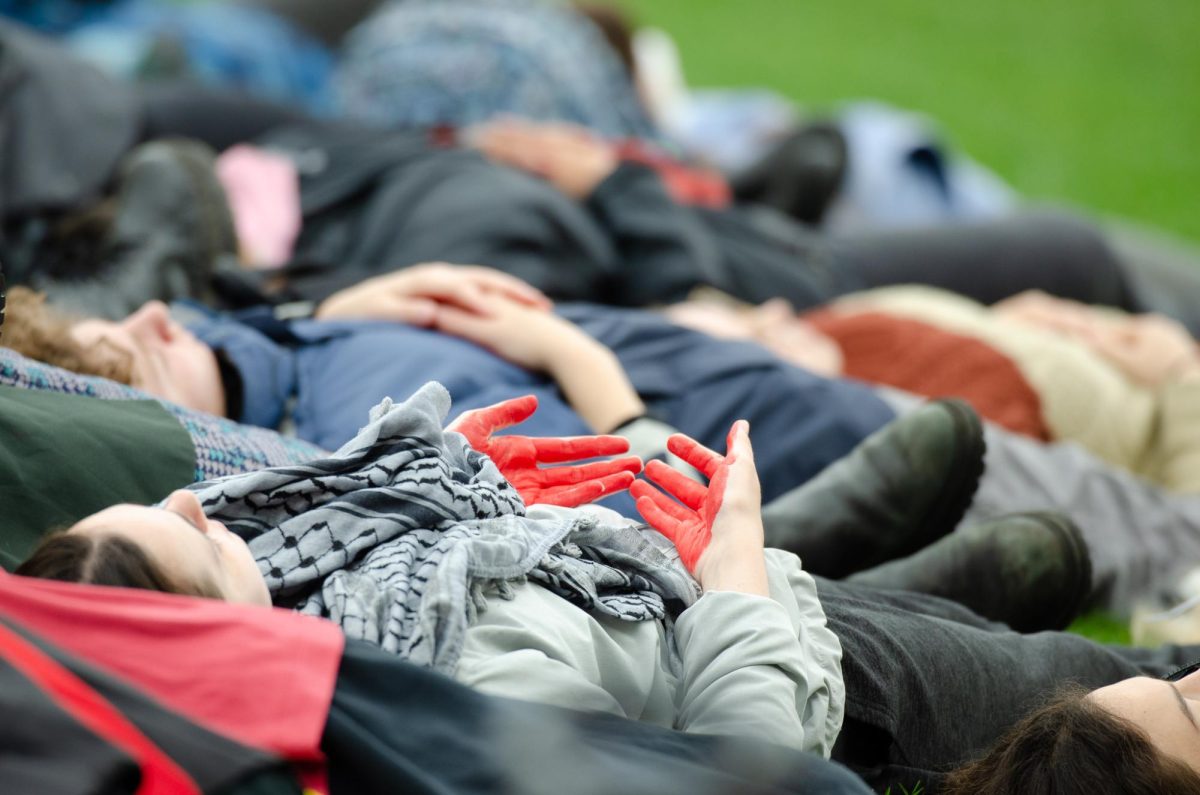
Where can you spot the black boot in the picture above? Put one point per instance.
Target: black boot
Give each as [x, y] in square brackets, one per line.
[159, 236]
[1031, 571]
[901, 489]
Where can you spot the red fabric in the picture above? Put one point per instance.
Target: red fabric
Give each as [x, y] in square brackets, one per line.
[160, 775]
[925, 360]
[691, 185]
[262, 677]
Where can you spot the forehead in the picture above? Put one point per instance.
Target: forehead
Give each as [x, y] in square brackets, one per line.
[165, 535]
[124, 515]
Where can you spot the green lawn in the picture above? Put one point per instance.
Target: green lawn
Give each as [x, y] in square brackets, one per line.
[1096, 102]
[1092, 101]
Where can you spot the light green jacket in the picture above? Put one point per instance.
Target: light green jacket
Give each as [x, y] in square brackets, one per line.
[750, 666]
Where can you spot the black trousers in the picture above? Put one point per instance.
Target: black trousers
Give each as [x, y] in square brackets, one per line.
[1054, 251]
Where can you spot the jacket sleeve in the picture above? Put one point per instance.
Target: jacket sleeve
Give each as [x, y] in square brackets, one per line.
[664, 248]
[758, 667]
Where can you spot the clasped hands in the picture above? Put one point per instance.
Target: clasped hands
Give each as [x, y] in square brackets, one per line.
[717, 529]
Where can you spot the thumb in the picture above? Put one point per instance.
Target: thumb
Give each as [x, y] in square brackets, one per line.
[743, 475]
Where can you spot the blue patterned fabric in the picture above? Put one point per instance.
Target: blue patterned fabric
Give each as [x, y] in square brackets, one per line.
[219, 43]
[223, 447]
[425, 63]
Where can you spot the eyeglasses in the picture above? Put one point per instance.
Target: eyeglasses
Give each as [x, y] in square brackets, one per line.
[1182, 672]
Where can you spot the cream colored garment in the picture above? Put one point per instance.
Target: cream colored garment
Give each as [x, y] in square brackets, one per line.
[751, 666]
[1154, 433]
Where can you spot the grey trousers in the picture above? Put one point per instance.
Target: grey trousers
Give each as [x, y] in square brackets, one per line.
[1140, 537]
[929, 684]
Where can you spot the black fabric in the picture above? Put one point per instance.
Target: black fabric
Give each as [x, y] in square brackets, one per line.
[3, 299]
[374, 201]
[397, 728]
[929, 684]
[800, 175]
[46, 751]
[218, 117]
[1051, 250]
[63, 457]
[63, 125]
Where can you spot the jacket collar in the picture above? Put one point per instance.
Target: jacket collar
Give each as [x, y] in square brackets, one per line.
[267, 368]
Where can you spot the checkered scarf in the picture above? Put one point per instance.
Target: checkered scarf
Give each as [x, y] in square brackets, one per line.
[400, 535]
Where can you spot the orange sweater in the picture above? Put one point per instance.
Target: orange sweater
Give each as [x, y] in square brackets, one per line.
[925, 360]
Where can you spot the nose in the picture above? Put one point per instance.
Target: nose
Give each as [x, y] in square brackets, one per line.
[151, 322]
[187, 504]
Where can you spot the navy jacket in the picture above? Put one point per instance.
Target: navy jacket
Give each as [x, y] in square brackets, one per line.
[331, 374]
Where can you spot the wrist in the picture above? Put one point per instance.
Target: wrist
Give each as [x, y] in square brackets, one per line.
[738, 569]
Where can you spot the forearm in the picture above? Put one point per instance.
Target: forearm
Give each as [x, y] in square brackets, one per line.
[742, 670]
[595, 384]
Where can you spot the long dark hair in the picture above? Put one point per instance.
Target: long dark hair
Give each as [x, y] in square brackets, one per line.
[104, 559]
[1071, 745]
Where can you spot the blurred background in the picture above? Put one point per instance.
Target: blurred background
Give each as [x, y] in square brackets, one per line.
[1095, 102]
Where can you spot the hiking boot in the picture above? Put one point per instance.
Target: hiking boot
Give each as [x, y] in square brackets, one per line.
[1031, 571]
[159, 237]
[901, 489]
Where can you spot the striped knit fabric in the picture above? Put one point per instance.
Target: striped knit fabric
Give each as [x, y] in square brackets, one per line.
[223, 447]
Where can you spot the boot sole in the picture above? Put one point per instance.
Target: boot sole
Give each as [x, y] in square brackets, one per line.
[964, 480]
[1072, 540]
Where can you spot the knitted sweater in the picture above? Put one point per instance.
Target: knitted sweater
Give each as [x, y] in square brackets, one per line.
[1152, 432]
[917, 357]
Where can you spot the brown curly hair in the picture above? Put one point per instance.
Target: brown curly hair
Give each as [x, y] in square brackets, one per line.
[38, 331]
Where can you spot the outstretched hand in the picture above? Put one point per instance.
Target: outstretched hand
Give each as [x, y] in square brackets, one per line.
[717, 530]
[518, 457]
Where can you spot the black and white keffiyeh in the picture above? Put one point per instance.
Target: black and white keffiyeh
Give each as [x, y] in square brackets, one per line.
[399, 535]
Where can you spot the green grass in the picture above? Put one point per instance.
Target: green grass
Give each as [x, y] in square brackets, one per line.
[1102, 629]
[1096, 102]
[917, 790]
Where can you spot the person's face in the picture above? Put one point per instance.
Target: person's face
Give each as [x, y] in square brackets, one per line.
[1167, 712]
[188, 546]
[167, 361]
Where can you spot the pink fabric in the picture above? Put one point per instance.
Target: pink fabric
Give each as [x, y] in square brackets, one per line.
[263, 677]
[263, 190]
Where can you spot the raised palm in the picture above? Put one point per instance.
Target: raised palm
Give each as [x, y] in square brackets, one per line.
[520, 458]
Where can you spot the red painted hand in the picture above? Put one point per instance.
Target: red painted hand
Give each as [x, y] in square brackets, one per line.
[518, 457]
[689, 522]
